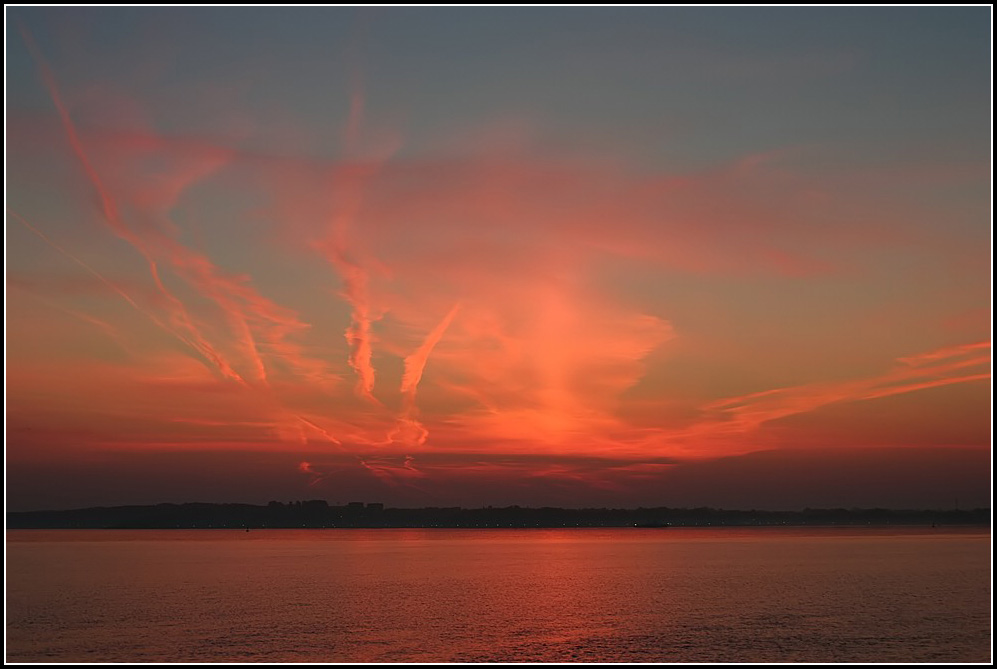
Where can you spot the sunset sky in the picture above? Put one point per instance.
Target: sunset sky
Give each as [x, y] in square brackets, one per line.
[732, 257]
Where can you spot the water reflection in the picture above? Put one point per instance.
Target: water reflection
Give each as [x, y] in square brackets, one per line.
[641, 595]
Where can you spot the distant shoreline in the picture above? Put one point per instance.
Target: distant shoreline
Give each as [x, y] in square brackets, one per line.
[318, 514]
[878, 526]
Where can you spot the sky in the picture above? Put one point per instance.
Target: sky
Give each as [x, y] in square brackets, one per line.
[701, 256]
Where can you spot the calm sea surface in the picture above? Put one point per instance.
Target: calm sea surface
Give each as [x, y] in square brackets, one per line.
[616, 595]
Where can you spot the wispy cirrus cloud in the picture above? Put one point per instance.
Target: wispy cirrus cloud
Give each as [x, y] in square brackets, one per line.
[930, 369]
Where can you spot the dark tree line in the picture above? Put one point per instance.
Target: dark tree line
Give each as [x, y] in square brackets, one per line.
[319, 514]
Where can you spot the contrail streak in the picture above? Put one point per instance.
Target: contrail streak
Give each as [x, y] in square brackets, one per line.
[351, 180]
[415, 362]
[113, 218]
[409, 428]
[358, 334]
[319, 429]
[243, 308]
[100, 277]
[748, 412]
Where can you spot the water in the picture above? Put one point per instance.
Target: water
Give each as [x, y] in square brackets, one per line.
[614, 595]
